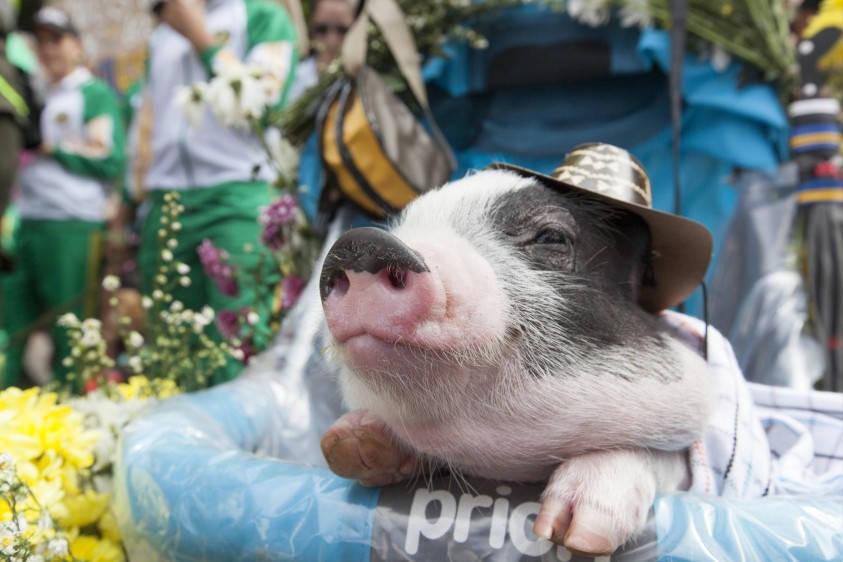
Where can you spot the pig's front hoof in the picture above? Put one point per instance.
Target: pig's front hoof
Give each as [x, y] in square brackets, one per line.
[359, 447]
[582, 530]
[598, 501]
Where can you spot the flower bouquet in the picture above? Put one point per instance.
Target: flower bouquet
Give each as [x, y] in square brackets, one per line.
[56, 466]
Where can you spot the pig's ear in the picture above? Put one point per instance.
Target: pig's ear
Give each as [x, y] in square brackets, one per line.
[632, 267]
[640, 274]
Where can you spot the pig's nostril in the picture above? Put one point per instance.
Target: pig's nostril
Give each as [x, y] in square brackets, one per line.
[397, 277]
[339, 284]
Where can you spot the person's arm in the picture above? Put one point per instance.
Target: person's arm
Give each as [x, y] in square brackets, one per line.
[187, 17]
[271, 41]
[101, 153]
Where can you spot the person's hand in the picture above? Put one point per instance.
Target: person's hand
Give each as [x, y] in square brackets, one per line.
[117, 249]
[187, 17]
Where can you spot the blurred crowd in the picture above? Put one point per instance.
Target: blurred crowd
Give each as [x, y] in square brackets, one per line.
[88, 169]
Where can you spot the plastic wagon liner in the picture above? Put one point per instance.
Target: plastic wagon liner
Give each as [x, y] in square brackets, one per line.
[236, 473]
[199, 479]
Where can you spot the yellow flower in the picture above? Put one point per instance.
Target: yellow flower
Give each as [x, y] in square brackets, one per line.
[70, 479]
[18, 410]
[83, 509]
[134, 388]
[48, 494]
[31, 422]
[91, 549]
[108, 527]
[141, 387]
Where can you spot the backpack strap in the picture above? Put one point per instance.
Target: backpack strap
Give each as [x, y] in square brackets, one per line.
[389, 18]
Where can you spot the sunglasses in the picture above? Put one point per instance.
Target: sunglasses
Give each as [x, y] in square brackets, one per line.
[324, 29]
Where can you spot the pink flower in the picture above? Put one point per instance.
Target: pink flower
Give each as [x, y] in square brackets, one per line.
[228, 324]
[291, 288]
[281, 213]
[215, 263]
[248, 350]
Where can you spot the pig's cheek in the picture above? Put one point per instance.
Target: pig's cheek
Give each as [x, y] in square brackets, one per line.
[475, 305]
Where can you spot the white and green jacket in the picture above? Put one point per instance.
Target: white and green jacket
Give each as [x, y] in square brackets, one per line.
[195, 157]
[82, 124]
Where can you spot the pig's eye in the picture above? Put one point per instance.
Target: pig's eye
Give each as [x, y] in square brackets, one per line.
[550, 237]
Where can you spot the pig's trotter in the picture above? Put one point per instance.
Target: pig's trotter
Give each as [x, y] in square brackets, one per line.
[358, 446]
[596, 502]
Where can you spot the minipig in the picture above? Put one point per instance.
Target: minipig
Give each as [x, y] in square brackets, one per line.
[505, 327]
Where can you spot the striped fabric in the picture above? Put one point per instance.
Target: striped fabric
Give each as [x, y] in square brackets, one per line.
[760, 439]
[820, 190]
[815, 136]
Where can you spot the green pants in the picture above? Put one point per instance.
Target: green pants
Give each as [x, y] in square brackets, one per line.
[58, 267]
[227, 215]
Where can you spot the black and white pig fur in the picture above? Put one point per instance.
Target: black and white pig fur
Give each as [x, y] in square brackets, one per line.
[496, 333]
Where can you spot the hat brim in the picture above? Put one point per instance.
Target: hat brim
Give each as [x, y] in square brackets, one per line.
[681, 248]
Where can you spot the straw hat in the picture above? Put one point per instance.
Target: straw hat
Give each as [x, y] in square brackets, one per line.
[680, 248]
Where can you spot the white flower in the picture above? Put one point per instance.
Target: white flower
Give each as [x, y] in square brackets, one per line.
[182, 268]
[184, 281]
[191, 102]
[146, 302]
[157, 294]
[68, 320]
[135, 339]
[236, 96]
[589, 12]
[57, 547]
[224, 104]
[203, 319]
[166, 255]
[135, 364]
[7, 472]
[252, 318]
[90, 338]
[177, 306]
[284, 155]
[111, 283]
[636, 13]
[91, 324]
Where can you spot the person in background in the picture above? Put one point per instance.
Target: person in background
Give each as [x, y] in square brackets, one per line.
[14, 117]
[221, 174]
[330, 20]
[63, 193]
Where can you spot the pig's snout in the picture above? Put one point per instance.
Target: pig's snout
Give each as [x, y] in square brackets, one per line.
[373, 283]
[368, 250]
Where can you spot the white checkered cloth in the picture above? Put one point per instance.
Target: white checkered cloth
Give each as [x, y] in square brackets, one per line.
[760, 439]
